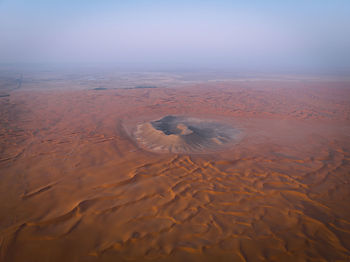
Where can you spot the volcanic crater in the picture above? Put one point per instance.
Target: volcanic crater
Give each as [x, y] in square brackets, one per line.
[183, 134]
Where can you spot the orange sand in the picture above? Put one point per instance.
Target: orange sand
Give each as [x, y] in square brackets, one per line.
[75, 187]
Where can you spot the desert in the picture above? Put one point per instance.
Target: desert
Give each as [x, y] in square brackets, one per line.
[83, 177]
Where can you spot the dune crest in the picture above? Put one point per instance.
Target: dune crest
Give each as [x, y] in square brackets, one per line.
[181, 134]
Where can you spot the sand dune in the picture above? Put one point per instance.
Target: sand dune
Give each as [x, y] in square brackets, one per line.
[76, 185]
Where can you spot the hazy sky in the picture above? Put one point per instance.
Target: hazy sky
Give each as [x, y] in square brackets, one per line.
[241, 34]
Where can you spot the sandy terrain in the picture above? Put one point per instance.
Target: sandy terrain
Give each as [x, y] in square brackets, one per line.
[75, 185]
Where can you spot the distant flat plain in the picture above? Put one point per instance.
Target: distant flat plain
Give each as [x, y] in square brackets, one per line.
[76, 186]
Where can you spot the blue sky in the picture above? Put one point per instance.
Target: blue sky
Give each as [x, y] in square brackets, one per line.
[259, 34]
